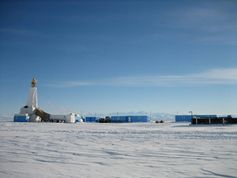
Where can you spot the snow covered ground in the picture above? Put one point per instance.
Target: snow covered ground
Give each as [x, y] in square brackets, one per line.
[117, 150]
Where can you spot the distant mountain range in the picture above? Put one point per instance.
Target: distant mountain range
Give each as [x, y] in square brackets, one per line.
[8, 117]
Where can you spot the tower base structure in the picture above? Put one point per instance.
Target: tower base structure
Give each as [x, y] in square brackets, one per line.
[30, 110]
[30, 114]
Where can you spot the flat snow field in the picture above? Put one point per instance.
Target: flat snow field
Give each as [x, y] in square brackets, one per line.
[38, 150]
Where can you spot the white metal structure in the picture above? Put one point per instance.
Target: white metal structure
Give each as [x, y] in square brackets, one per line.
[32, 103]
[36, 114]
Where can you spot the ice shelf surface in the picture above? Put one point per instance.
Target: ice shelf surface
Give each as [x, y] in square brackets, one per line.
[43, 150]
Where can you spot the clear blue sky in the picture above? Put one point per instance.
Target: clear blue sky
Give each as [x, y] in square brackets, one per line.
[120, 56]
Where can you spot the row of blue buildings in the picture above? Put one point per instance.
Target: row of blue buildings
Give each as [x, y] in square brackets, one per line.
[118, 119]
[206, 119]
[112, 119]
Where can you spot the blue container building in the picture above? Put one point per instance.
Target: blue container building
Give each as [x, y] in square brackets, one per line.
[126, 119]
[188, 118]
[21, 118]
[91, 119]
[183, 118]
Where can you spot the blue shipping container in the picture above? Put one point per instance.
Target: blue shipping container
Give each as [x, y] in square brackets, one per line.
[188, 118]
[21, 118]
[139, 118]
[183, 118]
[91, 119]
[122, 119]
[119, 119]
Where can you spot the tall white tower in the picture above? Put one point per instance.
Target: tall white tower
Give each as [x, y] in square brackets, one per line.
[32, 103]
[32, 98]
